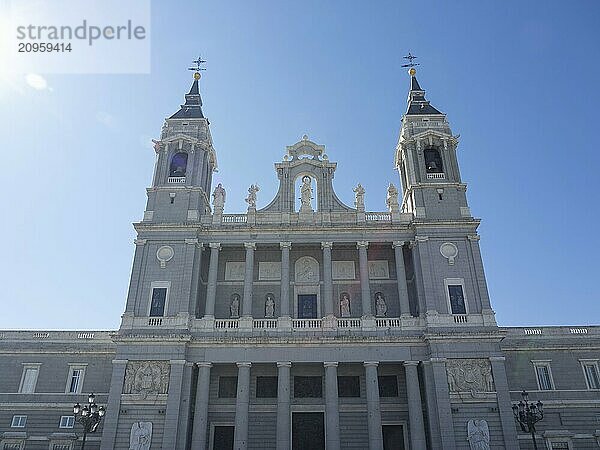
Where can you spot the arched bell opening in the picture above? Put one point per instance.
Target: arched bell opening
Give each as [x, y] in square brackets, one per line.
[178, 166]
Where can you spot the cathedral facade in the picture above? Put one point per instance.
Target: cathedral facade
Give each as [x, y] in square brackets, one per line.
[306, 324]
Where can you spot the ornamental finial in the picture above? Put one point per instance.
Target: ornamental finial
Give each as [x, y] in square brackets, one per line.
[197, 67]
[411, 58]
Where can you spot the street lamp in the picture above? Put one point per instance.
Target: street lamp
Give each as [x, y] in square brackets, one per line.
[528, 414]
[89, 416]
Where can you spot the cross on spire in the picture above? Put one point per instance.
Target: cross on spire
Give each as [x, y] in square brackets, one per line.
[197, 65]
[411, 58]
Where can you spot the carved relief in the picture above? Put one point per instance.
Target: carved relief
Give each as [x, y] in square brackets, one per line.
[146, 377]
[379, 270]
[269, 270]
[469, 375]
[343, 270]
[140, 436]
[235, 270]
[307, 270]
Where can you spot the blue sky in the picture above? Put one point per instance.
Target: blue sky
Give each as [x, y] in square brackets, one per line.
[518, 80]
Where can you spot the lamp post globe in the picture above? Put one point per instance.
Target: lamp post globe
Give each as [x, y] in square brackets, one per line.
[528, 414]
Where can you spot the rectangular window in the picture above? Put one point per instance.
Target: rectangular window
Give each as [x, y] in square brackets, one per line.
[308, 387]
[227, 387]
[18, 422]
[388, 386]
[592, 378]
[266, 387]
[348, 386]
[158, 302]
[75, 380]
[29, 378]
[543, 375]
[457, 299]
[66, 422]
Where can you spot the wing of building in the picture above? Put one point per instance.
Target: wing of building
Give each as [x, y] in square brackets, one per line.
[307, 324]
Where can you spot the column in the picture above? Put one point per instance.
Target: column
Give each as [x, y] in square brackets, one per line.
[283, 406]
[427, 278]
[189, 170]
[332, 417]
[240, 437]
[504, 404]
[173, 400]
[444, 410]
[136, 272]
[418, 278]
[479, 273]
[373, 407]
[211, 288]
[113, 406]
[415, 407]
[327, 279]
[285, 278]
[365, 290]
[185, 406]
[191, 248]
[248, 279]
[401, 278]
[199, 437]
[430, 400]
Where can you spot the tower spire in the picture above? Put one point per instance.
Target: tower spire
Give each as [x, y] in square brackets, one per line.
[417, 104]
[192, 108]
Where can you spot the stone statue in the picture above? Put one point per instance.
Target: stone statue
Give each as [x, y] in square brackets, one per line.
[359, 202]
[141, 436]
[392, 198]
[478, 434]
[380, 305]
[251, 199]
[270, 306]
[345, 305]
[219, 198]
[234, 307]
[305, 194]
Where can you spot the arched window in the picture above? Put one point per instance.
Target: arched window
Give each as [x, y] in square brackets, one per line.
[178, 165]
[433, 161]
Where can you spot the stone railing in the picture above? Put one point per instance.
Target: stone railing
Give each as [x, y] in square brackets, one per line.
[54, 335]
[553, 331]
[264, 323]
[234, 218]
[378, 217]
[348, 323]
[176, 180]
[225, 324]
[436, 176]
[388, 323]
[306, 323]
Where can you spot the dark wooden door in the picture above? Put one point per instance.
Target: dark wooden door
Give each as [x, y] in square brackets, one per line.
[393, 437]
[223, 438]
[307, 306]
[308, 431]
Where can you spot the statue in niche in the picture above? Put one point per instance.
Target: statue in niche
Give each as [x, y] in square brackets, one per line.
[392, 198]
[251, 199]
[140, 436]
[234, 307]
[380, 305]
[344, 305]
[359, 201]
[270, 306]
[219, 198]
[478, 434]
[306, 193]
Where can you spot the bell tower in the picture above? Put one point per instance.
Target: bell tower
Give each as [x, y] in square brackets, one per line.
[185, 162]
[426, 160]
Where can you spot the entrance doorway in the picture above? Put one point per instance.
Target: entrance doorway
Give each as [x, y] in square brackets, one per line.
[308, 431]
[307, 306]
[223, 437]
[393, 437]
